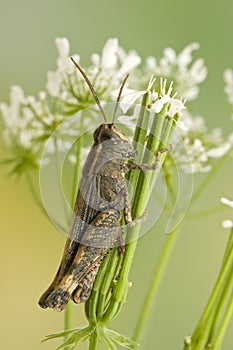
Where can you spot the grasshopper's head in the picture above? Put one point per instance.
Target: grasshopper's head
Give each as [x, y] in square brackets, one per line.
[114, 140]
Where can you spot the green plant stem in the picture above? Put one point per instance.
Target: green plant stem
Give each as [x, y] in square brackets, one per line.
[201, 333]
[93, 341]
[218, 312]
[224, 324]
[154, 285]
[215, 336]
[67, 317]
[138, 207]
[107, 282]
[223, 297]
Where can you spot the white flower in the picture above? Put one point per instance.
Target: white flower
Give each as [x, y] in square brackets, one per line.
[210, 144]
[228, 78]
[176, 107]
[129, 96]
[226, 201]
[63, 61]
[227, 223]
[54, 80]
[180, 69]
[129, 63]
[130, 120]
[109, 54]
[159, 103]
[185, 57]
[10, 113]
[218, 152]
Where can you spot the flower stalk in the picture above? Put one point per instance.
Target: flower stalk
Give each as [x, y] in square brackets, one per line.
[213, 323]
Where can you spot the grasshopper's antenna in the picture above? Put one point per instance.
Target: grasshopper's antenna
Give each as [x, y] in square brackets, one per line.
[91, 88]
[119, 97]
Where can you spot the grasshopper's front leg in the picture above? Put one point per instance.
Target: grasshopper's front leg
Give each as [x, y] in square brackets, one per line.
[152, 166]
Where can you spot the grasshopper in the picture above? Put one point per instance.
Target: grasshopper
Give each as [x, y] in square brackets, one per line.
[101, 200]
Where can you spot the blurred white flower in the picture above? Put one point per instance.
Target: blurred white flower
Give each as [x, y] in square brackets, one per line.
[53, 84]
[180, 69]
[227, 223]
[30, 121]
[128, 63]
[226, 201]
[109, 54]
[129, 96]
[130, 120]
[228, 79]
[201, 145]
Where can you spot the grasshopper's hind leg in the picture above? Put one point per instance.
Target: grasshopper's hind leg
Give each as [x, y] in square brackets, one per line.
[99, 237]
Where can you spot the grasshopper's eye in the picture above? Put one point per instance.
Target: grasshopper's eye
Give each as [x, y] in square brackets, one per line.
[106, 137]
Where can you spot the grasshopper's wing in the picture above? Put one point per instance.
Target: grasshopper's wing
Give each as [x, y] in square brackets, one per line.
[84, 212]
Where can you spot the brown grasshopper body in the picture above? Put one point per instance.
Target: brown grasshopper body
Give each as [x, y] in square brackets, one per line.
[102, 198]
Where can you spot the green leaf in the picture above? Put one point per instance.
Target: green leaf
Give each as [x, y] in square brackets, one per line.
[74, 336]
[105, 339]
[57, 335]
[121, 340]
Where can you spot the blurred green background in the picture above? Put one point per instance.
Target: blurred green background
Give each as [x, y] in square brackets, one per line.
[30, 246]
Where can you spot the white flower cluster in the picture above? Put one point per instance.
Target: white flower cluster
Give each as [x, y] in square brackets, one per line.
[185, 73]
[30, 121]
[200, 146]
[106, 72]
[156, 101]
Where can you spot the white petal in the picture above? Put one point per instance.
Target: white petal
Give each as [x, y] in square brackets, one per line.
[131, 62]
[128, 120]
[157, 106]
[227, 224]
[198, 71]
[165, 99]
[218, 152]
[16, 96]
[129, 97]
[228, 76]
[109, 54]
[42, 95]
[53, 83]
[170, 55]
[227, 202]
[191, 93]
[185, 57]
[124, 119]
[63, 47]
[151, 63]
[176, 107]
[95, 58]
